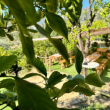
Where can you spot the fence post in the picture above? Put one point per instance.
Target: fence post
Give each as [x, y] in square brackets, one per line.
[50, 62]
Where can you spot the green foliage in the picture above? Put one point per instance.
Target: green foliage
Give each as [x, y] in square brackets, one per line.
[94, 79]
[29, 52]
[40, 66]
[3, 52]
[68, 109]
[97, 5]
[18, 52]
[78, 60]
[10, 37]
[105, 11]
[41, 47]
[32, 74]
[11, 28]
[27, 6]
[39, 15]
[53, 91]
[94, 47]
[55, 78]
[47, 28]
[24, 14]
[0, 10]
[84, 90]
[52, 5]
[18, 14]
[20, 57]
[60, 47]
[42, 31]
[56, 23]
[95, 106]
[8, 84]
[2, 33]
[8, 98]
[69, 45]
[70, 85]
[6, 62]
[73, 9]
[99, 24]
[33, 97]
[32, 30]
[27, 46]
[57, 43]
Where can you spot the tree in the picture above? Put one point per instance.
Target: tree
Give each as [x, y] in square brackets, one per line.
[94, 7]
[104, 12]
[23, 14]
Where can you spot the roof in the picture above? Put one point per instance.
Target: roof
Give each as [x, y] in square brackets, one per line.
[43, 39]
[95, 32]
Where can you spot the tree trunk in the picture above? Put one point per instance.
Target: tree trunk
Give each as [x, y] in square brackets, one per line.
[80, 42]
[84, 72]
[87, 44]
[84, 50]
[81, 47]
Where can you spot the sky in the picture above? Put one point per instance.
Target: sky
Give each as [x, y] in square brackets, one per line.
[86, 3]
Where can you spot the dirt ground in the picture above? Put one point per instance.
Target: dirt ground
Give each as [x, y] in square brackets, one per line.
[73, 99]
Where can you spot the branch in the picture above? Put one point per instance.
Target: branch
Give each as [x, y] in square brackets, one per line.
[7, 27]
[90, 3]
[4, 27]
[90, 12]
[93, 2]
[39, 7]
[79, 25]
[91, 19]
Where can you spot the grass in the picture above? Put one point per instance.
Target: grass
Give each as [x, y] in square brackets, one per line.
[95, 106]
[105, 76]
[70, 70]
